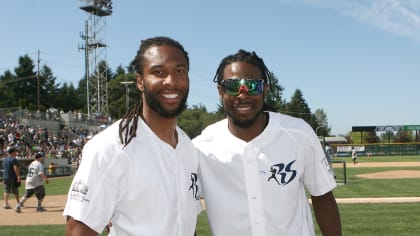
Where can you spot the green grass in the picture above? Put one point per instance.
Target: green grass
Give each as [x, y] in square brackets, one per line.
[59, 185]
[56, 186]
[33, 230]
[42, 230]
[402, 219]
[357, 219]
[362, 187]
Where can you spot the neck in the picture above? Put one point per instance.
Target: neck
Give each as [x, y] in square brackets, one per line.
[164, 128]
[249, 133]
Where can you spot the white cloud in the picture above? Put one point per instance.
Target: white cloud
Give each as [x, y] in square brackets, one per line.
[401, 17]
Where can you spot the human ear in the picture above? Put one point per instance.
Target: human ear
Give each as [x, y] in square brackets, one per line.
[220, 90]
[140, 82]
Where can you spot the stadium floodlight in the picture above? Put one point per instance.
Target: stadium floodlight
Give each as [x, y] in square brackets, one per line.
[95, 55]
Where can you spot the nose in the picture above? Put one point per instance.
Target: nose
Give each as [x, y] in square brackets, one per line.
[242, 91]
[170, 79]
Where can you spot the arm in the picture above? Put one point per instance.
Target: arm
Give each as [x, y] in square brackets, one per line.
[326, 214]
[17, 171]
[77, 228]
[44, 177]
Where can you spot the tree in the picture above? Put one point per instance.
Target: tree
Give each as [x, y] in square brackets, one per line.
[364, 137]
[119, 71]
[194, 120]
[117, 94]
[273, 99]
[298, 107]
[404, 137]
[81, 91]
[68, 99]
[6, 93]
[26, 88]
[370, 137]
[104, 68]
[25, 84]
[321, 119]
[131, 68]
[48, 88]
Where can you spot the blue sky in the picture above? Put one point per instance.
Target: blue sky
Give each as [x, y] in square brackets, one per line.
[357, 60]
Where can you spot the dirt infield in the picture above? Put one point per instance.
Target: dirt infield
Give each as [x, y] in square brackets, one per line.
[393, 174]
[55, 204]
[29, 216]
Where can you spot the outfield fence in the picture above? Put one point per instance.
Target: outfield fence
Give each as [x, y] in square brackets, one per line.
[377, 149]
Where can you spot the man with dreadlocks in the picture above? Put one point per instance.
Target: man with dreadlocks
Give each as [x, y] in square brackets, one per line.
[139, 175]
[263, 162]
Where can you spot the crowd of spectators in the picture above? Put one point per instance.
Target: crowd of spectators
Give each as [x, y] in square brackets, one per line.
[66, 143]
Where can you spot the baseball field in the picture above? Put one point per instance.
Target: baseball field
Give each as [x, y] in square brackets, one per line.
[381, 197]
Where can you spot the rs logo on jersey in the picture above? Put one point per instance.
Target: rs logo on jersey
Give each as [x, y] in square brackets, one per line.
[194, 186]
[282, 173]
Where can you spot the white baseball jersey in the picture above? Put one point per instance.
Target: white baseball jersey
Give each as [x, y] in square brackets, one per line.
[33, 178]
[258, 187]
[146, 188]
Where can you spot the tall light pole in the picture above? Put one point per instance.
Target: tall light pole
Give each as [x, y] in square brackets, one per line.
[95, 54]
[127, 92]
[38, 84]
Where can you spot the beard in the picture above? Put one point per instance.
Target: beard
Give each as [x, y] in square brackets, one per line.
[243, 123]
[153, 102]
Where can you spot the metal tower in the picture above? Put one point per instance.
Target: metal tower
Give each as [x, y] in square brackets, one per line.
[95, 56]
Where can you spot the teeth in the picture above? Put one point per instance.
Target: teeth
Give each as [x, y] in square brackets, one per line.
[170, 95]
[243, 108]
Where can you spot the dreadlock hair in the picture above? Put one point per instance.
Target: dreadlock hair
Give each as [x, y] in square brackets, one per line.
[128, 123]
[246, 57]
[242, 56]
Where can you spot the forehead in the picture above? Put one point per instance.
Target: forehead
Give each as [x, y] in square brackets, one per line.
[164, 55]
[241, 70]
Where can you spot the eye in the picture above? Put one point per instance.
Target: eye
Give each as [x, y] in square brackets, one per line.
[181, 71]
[158, 72]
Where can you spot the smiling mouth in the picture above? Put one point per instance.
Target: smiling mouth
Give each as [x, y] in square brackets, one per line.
[243, 108]
[171, 96]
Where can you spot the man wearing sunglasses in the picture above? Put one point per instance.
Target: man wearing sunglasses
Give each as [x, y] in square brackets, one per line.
[258, 165]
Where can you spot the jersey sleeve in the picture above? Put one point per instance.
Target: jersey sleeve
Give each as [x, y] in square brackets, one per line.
[318, 177]
[96, 188]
